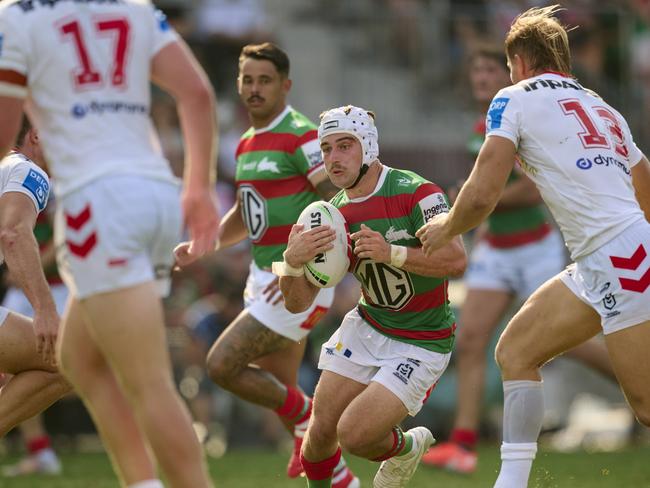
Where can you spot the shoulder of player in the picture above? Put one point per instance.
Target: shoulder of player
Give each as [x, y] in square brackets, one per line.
[296, 123]
[405, 181]
[16, 161]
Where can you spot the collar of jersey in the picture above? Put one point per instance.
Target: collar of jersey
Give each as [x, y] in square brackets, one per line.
[275, 121]
[380, 182]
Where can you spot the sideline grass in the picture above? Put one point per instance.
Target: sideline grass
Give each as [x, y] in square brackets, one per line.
[264, 469]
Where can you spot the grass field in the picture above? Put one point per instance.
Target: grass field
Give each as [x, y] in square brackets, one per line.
[264, 469]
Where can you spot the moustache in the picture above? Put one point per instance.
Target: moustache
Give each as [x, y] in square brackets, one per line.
[255, 98]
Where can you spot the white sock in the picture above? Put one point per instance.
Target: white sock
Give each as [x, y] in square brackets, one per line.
[516, 462]
[523, 410]
[147, 484]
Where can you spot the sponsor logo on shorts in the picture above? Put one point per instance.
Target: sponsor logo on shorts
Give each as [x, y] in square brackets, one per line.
[403, 372]
[605, 287]
[605, 161]
[609, 301]
[329, 351]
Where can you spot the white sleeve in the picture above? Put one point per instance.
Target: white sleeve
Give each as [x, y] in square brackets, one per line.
[13, 54]
[163, 32]
[634, 154]
[504, 116]
[27, 178]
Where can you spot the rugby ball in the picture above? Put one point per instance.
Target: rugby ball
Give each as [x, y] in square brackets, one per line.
[328, 268]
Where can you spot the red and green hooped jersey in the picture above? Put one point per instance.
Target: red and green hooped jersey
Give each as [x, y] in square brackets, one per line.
[404, 306]
[512, 227]
[273, 165]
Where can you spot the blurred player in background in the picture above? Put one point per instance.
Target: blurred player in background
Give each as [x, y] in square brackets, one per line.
[580, 153]
[383, 361]
[85, 70]
[279, 173]
[515, 254]
[27, 346]
[41, 457]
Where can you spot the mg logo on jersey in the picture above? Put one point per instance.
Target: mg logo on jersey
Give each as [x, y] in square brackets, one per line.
[393, 235]
[384, 285]
[253, 211]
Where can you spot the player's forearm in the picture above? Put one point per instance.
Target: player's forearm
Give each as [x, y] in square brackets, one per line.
[448, 261]
[298, 293]
[199, 124]
[22, 257]
[232, 229]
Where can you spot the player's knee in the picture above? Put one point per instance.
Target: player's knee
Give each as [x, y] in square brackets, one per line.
[222, 369]
[356, 441]
[509, 359]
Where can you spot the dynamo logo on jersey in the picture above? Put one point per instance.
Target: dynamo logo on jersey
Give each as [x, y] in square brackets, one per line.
[495, 113]
[605, 161]
[37, 186]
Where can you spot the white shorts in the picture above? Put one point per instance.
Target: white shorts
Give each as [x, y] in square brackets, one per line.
[116, 232]
[615, 279]
[520, 270]
[16, 301]
[294, 326]
[359, 352]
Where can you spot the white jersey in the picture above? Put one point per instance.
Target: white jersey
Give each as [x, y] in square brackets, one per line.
[578, 150]
[85, 67]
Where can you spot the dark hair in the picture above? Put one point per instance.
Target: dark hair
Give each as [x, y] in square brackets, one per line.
[25, 126]
[269, 52]
[490, 51]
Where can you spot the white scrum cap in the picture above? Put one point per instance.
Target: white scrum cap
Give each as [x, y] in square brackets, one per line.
[356, 122]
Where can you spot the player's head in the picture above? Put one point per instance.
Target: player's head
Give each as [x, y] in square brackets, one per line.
[537, 42]
[349, 142]
[28, 143]
[263, 81]
[23, 132]
[488, 72]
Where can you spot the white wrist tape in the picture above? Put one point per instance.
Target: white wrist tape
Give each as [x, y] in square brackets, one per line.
[398, 255]
[281, 268]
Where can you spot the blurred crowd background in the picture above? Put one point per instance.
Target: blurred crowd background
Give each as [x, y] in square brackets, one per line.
[407, 61]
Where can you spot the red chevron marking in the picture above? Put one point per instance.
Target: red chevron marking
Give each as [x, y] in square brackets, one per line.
[82, 250]
[632, 262]
[76, 222]
[639, 285]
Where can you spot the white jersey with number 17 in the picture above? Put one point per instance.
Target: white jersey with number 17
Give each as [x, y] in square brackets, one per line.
[578, 150]
[84, 67]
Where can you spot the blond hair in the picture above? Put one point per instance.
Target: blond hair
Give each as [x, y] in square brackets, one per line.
[539, 37]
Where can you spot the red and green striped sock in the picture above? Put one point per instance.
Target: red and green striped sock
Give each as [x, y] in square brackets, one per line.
[319, 474]
[297, 406]
[402, 445]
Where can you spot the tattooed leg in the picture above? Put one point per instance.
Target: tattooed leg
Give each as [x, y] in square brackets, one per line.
[229, 361]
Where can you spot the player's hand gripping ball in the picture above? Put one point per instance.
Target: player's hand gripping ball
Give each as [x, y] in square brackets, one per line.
[327, 269]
